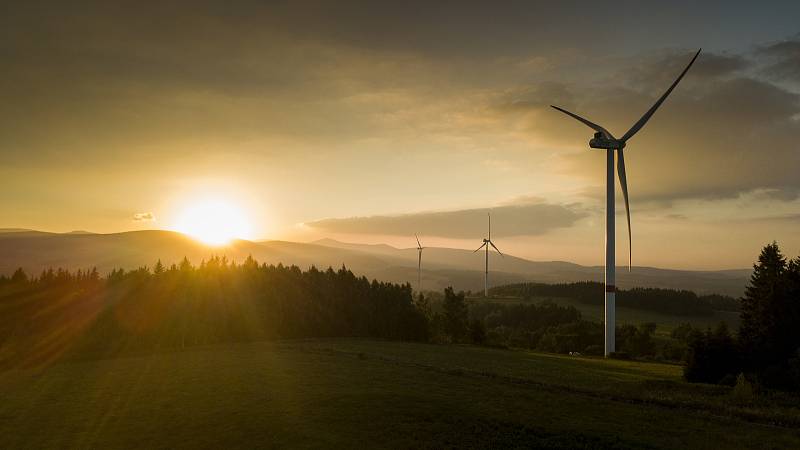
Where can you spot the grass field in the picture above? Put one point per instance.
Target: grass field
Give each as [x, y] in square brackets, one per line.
[348, 393]
[665, 323]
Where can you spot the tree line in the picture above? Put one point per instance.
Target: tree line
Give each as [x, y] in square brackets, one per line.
[78, 314]
[543, 326]
[668, 301]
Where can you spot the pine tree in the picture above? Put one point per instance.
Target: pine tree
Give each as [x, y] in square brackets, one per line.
[185, 265]
[762, 306]
[159, 268]
[455, 314]
[19, 276]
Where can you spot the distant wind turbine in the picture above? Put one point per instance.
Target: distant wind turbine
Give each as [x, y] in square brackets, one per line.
[605, 140]
[486, 243]
[420, 248]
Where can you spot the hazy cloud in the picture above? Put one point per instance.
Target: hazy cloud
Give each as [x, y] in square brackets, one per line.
[782, 59]
[144, 217]
[519, 219]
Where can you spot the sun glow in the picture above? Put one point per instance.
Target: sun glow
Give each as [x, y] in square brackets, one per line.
[214, 222]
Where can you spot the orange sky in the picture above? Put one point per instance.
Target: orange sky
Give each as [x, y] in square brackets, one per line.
[407, 119]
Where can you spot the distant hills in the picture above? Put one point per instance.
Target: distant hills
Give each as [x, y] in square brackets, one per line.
[463, 269]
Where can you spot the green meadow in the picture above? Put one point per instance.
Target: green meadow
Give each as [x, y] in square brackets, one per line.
[349, 393]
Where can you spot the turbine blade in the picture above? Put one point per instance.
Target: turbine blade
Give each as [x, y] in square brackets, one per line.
[498, 250]
[418, 244]
[638, 125]
[484, 244]
[490, 225]
[589, 124]
[623, 181]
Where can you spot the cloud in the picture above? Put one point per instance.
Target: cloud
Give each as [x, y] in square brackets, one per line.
[720, 134]
[518, 219]
[144, 217]
[782, 59]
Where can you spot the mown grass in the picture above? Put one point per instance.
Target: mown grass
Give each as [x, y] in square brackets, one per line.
[348, 393]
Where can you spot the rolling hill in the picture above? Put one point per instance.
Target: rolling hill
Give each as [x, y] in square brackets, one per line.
[36, 250]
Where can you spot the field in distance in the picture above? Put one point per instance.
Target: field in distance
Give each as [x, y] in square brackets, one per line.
[346, 393]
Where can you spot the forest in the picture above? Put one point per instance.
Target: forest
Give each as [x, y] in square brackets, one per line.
[670, 301]
[61, 314]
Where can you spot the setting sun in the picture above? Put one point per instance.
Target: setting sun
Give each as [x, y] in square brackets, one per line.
[214, 222]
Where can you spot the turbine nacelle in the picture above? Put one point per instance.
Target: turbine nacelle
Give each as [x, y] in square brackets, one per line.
[600, 141]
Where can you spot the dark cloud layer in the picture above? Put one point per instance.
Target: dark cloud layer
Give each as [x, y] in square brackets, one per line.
[509, 220]
[106, 76]
[721, 133]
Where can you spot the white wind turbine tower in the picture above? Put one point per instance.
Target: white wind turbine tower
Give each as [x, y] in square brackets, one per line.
[605, 140]
[420, 248]
[486, 243]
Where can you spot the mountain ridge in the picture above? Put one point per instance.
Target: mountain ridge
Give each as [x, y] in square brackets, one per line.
[463, 269]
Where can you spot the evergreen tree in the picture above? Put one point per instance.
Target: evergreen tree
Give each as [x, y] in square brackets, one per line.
[185, 265]
[19, 276]
[455, 314]
[423, 305]
[477, 332]
[712, 356]
[765, 301]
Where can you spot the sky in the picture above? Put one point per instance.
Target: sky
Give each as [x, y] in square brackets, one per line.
[372, 121]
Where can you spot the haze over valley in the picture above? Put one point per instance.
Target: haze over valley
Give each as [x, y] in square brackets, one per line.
[35, 251]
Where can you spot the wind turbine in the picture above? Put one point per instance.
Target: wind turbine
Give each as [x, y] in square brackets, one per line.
[420, 248]
[486, 243]
[605, 140]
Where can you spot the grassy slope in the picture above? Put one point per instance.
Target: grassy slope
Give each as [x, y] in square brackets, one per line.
[349, 393]
[665, 322]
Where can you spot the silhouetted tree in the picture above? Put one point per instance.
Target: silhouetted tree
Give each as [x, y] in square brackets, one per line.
[158, 269]
[455, 314]
[766, 330]
[477, 332]
[19, 276]
[711, 356]
[637, 341]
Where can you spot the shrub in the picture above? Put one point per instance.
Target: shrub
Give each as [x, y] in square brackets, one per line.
[548, 343]
[671, 350]
[743, 392]
[477, 332]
